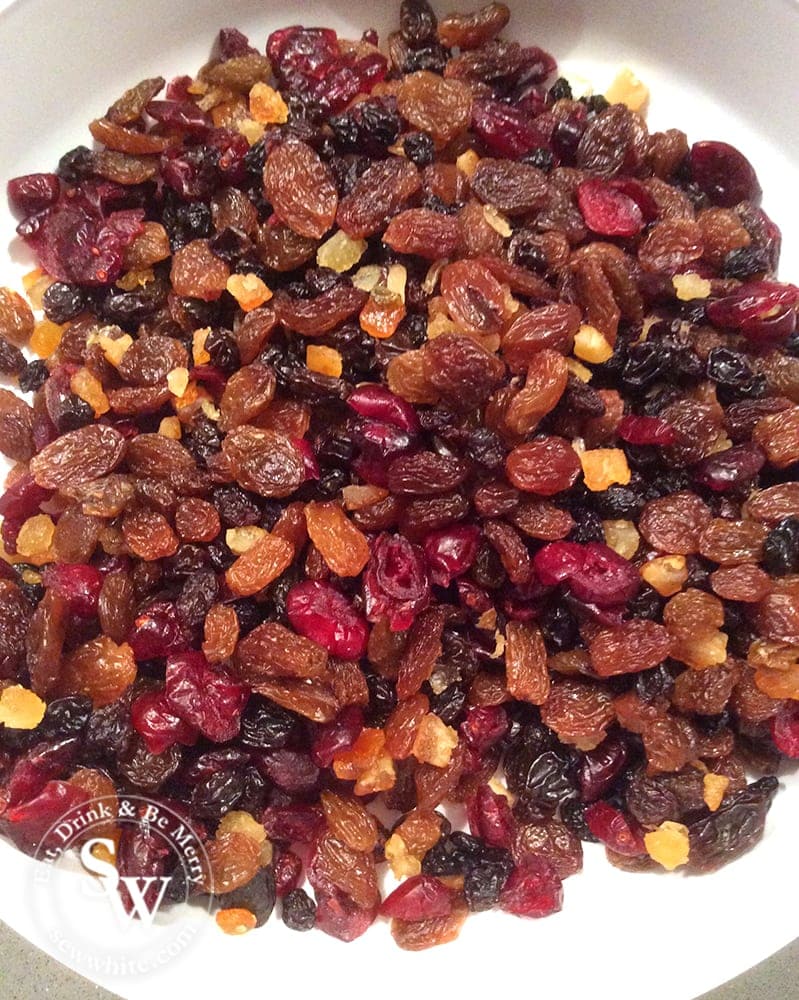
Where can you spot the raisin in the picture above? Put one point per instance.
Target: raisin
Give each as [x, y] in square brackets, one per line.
[377, 195]
[431, 104]
[544, 466]
[300, 188]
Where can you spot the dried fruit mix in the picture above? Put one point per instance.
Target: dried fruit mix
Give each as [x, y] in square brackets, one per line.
[403, 433]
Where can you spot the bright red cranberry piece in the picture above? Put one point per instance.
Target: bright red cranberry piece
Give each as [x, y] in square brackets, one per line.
[157, 724]
[19, 502]
[157, 632]
[42, 763]
[207, 700]
[320, 612]
[613, 828]
[288, 871]
[395, 583]
[384, 438]
[308, 458]
[184, 115]
[490, 818]
[23, 498]
[635, 189]
[646, 430]
[727, 469]
[33, 193]
[751, 301]
[599, 768]
[771, 329]
[298, 822]
[291, 770]
[605, 578]
[334, 737]
[557, 561]
[533, 100]
[505, 130]
[77, 583]
[73, 244]
[607, 210]
[338, 916]
[532, 890]
[298, 52]
[484, 726]
[29, 824]
[785, 730]
[451, 552]
[723, 173]
[377, 403]
[418, 898]
[349, 76]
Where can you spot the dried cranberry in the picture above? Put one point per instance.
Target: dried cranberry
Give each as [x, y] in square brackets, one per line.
[785, 730]
[320, 612]
[395, 582]
[33, 193]
[646, 430]
[157, 631]
[77, 583]
[376, 403]
[155, 721]
[613, 828]
[505, 130]
[418, 898]
[203, 698]
[532, 890]
[723, 173]
[337, 736]
[451, 552]
[607, 210]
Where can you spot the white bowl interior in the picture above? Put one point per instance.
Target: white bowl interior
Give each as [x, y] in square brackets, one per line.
[719, 70]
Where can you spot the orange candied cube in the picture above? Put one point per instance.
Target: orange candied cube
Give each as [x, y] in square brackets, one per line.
[46, 338]
[236, 920]
[248, 290]
[267, 106]
[368, 748]
[382, 314]
[90, 389]
[325, 360]
[602, 467]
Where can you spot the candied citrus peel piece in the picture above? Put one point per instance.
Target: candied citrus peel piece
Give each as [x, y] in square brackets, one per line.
[20, 708]
[669, 845]
[666, 574]
[714, 788]
[591, 345]
[236, 920]
[602, 467]
[248, 290]
[267, 106]
[324, 360]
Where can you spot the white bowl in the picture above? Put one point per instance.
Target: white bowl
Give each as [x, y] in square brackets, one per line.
[718, 70]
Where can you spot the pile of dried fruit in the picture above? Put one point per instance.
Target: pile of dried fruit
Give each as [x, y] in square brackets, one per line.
[404, 432]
